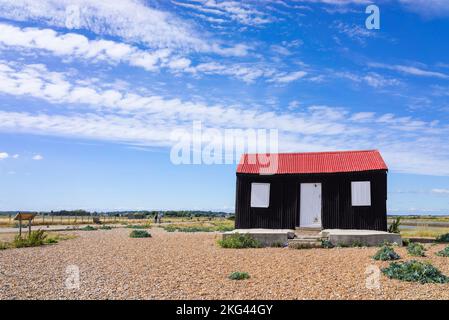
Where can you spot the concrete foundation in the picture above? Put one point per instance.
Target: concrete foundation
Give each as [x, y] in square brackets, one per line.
[267, 237]
[363, 237]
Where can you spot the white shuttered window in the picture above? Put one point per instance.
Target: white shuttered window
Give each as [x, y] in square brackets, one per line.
[260, 195]
[361, 193]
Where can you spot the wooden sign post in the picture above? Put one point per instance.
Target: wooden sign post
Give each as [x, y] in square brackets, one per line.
[24, 216]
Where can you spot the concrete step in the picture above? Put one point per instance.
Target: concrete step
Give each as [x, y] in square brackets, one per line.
[303, 244]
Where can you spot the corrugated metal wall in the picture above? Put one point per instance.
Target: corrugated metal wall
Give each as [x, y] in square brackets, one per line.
[337, 211]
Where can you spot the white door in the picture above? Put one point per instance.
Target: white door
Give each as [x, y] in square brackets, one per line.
[310, 205]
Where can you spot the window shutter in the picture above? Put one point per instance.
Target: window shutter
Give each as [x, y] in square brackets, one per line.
[260, 195]
[361, 193]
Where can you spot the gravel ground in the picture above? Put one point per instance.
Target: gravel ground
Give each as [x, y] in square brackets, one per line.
[192, 266]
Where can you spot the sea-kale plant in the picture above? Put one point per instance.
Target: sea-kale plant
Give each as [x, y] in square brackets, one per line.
[386, 253]
[443, 253]
[416, 249]
[415, 271]
[443, 238]
[139, 234]
[239, 276]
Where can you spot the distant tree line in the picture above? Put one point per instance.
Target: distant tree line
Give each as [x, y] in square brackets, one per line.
[145, 213]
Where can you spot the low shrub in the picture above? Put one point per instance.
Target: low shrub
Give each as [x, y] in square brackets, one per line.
[326, 244]
[170, 228]
[405, 242]
[4, 245]
[278, 245]
[416, 249]
[394, 227]
[139, 226]
[239, 276]
[34, 239]
[196, 229]
[139, 234]
[105, 228]
[239, 241]
[442, 238]
[51, 241]
[386, 253]
[443, 253]
[88, 228]
[415, 271]
[223, 228]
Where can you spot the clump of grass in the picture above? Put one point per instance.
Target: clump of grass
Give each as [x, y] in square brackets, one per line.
[442, 238]
[415, 271]
[35, 238]
[278, 245]
[170, 228]
[139, 234]
[416, 249]
[443, 253]
[4, 245]
[210, 227]
[239, 241]
[88, 228]
[105, 228]
[239, 276]
[386, 253]
[394, 227]
[139, 226]
[326, 244]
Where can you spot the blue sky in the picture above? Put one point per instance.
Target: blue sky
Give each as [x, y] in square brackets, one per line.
[91, 91]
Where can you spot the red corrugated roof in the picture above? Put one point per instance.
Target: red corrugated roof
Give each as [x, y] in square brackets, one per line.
[312, 162]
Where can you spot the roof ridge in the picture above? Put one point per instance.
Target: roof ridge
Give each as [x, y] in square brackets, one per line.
[317, 152]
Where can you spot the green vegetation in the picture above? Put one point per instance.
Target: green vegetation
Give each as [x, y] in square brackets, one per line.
[239, 276]
[105, 228]
[326, 244]
[207, 226]
[239, 241]
[139, 234]
[394, 227]
[88, 228]
[386, 253]
[415, 271]
[139, 226]
[278, 245]
[36, 238]
[416, 249]
[443, 238]
[443, 253]
[4, 245]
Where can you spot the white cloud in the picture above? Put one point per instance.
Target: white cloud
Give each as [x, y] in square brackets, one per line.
[411, 70]
[130, 20]
[3, 155]
[409, 145]
[72, 45]
[15, 156]
[38, 157]
[433, 8]
[241, 12]
[372, 79]
[288, 77]
[440, 191]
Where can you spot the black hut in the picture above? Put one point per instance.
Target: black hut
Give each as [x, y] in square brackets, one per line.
[320, 190]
